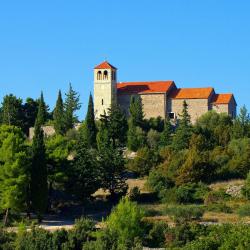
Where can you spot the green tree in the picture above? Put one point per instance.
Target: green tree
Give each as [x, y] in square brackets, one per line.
[89, 129]
[115, 123]
[71, 105]
[84, 174]
[14, 165]
[112, 164]
[12, 111]
[30, 109]
[136, 111]
[184, 130]
[126, 223]
[241, 127]
[136, 137]
[166, 135]
[42, 113]
[39, 184]
[58, 115]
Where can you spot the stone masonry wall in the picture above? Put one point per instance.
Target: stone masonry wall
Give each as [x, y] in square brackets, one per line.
[196, 107]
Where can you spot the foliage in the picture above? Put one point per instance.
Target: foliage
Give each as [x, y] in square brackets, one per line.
[166, 135]
[126, 222]
[153, 139]
[39, 185]
[145, 160]
[181, 214]
[244, 210]
[84, 173]
[14, 166]
[89, 129]
[136, 111]
[71, 105]
[184, 130]
[136, 137]
[134, 194]
[58, 115]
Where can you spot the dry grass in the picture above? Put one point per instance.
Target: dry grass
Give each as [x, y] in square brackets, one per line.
[225, 184]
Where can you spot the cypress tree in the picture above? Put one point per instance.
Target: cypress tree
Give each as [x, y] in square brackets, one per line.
[136, 111]
[72, 104]
[184, 130]
[166, 135]
[58, 115]
[42, 113]
[39, 186]
[90, 130]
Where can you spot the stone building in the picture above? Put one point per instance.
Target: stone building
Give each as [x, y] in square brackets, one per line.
[159, 98]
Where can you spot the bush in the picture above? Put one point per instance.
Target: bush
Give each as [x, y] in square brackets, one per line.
[181, 214]
[134, 194]
[219, 208]
[244, 210]
[214, 197]
[246, 189]
[157, 182]
[191, 192]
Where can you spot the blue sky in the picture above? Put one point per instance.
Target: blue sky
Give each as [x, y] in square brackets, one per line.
[44, 45]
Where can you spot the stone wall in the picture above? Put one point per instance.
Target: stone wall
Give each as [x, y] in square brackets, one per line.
[196, 107]
[154, 105]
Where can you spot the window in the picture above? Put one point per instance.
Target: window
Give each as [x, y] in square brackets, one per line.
[99, 75]
[102, 101]
[105, 75]
[171, 115]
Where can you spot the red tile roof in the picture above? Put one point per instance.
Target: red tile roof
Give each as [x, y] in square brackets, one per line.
[222, 98]
[192, 93]
[144, 87]
[105, 65]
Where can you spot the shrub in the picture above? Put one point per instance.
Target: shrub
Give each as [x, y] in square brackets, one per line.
[246, 189]
[181, 214]
[134, 194]
[244, 210]
[191, 192]
[220, 208]
[216, 197]
[157, 182]
[81, 233]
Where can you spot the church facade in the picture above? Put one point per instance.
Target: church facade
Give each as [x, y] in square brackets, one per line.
[159, 98]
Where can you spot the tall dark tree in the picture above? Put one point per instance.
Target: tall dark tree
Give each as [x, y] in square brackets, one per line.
[136, 111]
[12, 111]
[58, 115]
[30, 109]
[42, 113]
[85, 174]
[166, 135]
[89, 130]
[184, 130]
[39, 185]
[112, 165]
[72, 104]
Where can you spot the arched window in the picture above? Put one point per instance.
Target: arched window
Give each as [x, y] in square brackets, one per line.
[114, 76]
[99, 75]
[105, 75]
[102, 101]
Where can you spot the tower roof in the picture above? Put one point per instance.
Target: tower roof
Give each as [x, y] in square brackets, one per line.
[222, 98]
[144, 87]
[105, 65]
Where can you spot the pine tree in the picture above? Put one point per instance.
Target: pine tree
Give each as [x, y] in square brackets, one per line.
[85, 174]
[136, 111]
[166, 135]
[184, 130]
[12, 111]
[72, 104]
[13, 170]
[58, 115]
[39, 185]
[89, 130]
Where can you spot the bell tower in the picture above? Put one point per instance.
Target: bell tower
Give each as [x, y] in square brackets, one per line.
[105, 81]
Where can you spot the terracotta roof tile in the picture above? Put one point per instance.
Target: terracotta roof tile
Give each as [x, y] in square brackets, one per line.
[222, 98]
[105, 65]
[144, 87]
[192, 93]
